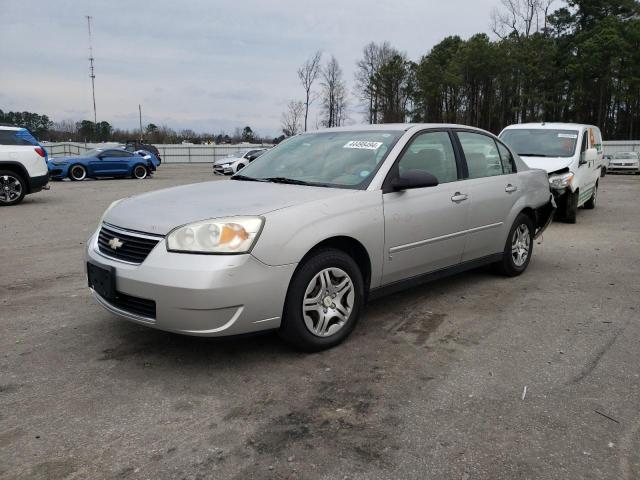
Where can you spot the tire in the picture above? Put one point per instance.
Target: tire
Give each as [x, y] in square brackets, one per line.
[13, 188]
[139, 172]
[520, 237]
[77, 173]
[591, 203]
[603, 172]
[329, 317]
[240, 167]
[571, 211]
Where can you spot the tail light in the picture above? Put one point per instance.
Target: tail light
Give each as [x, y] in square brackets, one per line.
[40, 151]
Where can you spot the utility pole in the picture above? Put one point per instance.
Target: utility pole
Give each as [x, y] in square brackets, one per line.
[140, 114]
[91, 74]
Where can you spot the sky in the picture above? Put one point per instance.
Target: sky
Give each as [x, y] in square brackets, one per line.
[209, 66]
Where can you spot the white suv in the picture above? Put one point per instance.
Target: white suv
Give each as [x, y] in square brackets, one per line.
[23, 165]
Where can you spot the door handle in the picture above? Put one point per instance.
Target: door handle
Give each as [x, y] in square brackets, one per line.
[510, 188]
[459, 197]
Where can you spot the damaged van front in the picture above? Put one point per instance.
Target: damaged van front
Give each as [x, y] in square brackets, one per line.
[570, 153]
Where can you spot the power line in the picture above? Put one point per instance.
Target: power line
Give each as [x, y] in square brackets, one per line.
[91, 71]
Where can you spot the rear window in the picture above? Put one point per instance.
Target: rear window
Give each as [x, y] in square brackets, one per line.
[17, 137]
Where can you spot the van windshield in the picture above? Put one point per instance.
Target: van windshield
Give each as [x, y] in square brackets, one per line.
[538, 142]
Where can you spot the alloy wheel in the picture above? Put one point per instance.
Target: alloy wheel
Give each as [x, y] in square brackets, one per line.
[328, 302]
[520, 245]
[10, 188]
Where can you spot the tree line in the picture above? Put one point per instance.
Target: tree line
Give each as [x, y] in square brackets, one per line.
[87, 131]
[579, 62]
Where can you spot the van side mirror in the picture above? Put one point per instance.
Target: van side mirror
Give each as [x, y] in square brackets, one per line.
[413, 179]
[590, 155]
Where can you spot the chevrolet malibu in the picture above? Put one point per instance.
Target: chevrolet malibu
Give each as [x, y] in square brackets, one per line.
[316, 226]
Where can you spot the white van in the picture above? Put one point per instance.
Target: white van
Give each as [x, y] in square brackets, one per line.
[571, 154]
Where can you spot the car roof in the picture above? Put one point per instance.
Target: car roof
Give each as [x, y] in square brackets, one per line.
[392, 127]
[549, 126]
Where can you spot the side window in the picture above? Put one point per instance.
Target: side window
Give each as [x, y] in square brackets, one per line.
[483, 159]
[584, 142]
[508, 165]
[431, 152]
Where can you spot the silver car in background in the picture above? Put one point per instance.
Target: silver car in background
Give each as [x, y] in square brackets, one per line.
[625, 162]
[313, 228]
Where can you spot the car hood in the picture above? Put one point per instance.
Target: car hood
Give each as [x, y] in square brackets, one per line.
[548, 164]
[161, 211]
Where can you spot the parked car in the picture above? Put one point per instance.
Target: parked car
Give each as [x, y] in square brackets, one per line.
[98, 163]
[569, 152]
[305, 234]
[236, 161]
[23, 165]
[135, 145]
[625, 162]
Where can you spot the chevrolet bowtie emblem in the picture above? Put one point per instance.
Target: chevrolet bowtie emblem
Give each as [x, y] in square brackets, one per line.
[115, 243]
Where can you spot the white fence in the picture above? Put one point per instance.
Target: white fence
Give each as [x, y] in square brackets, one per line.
[178, 153]
[612, 146]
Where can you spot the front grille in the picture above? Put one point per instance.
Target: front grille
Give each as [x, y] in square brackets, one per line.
[134, 247]
[139, 306]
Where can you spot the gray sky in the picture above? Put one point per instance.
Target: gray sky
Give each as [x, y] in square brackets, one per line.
[204, 65]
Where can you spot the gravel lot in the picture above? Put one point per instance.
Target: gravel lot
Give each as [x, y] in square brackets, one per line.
[430, 385]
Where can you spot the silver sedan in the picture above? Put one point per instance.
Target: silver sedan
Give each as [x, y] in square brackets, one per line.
[314, 227]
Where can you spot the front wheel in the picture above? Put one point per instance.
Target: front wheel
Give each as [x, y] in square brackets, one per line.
[139, 172]
[240, 167]
[77, 173]
[519, 247]
[571, 211]
[13, 188]
[324, 301]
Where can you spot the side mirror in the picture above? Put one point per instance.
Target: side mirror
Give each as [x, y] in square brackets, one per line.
[414, 179]
[590, 155]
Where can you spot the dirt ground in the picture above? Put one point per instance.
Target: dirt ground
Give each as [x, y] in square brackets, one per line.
[430, 385]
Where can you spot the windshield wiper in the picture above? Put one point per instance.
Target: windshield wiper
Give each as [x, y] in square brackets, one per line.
[248, 179]
[290, 181]
[534, 155]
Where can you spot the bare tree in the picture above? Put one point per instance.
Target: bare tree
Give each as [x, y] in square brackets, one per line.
[308, 74]
[520, 17]
[334, 94]
[292, 118]
[374, 56]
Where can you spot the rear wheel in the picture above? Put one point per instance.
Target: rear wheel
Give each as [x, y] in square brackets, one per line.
[591, 203]
[519, 247]
[324, 301]
[139, 172]
[13, 188]
[77, 173]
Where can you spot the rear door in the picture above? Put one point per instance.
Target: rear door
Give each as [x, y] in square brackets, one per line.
[424, 227]
[493, 187]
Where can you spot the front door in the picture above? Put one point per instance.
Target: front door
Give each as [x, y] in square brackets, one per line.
[424, 227]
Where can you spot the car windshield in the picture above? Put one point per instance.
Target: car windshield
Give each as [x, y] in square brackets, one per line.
[333, 159]
[538, 142]
[237, 154]
[625, 155]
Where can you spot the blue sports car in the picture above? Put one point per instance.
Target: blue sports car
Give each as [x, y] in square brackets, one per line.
[103, 163]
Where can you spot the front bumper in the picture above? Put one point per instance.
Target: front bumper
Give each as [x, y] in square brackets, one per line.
[627, 168]
[203, 295]
[222, 170]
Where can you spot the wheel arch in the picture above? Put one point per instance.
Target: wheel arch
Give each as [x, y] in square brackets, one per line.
[18, 169]
[351, 247]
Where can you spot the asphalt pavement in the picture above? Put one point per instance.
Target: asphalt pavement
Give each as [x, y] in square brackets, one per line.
[431, 385]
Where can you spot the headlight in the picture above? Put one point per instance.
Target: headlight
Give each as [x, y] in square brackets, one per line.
[218, 235]
[561, 180]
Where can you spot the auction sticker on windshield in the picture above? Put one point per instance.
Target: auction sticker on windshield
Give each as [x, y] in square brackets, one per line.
[567, 135]
[363, 145]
